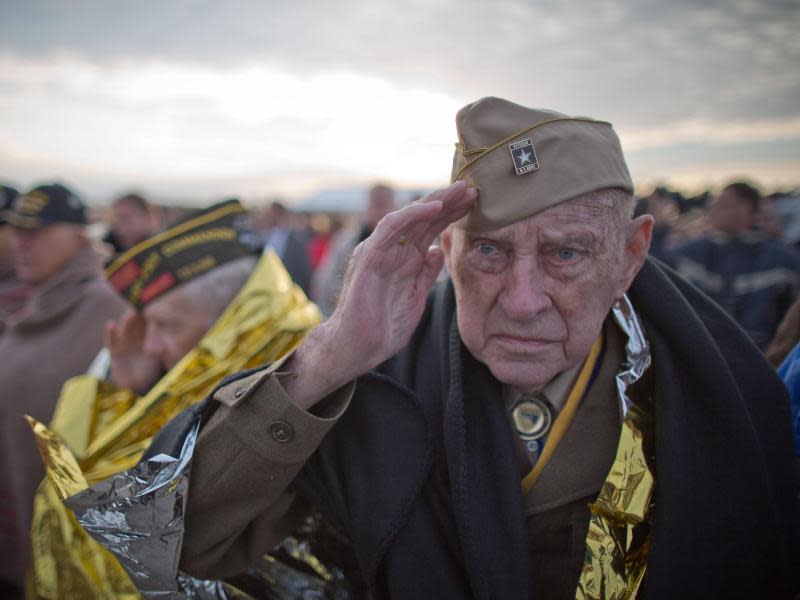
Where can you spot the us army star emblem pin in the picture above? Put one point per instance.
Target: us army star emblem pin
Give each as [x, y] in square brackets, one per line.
[524, 156]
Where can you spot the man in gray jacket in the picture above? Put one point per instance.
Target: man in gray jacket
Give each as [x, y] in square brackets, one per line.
[54, 336]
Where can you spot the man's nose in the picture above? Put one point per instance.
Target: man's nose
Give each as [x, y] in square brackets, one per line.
[524, 295]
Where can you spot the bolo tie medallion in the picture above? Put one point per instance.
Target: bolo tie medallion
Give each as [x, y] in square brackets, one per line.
[533, 418]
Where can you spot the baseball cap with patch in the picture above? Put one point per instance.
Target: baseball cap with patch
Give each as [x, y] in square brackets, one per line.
[524, 160]
[187, 250]
[45, 205]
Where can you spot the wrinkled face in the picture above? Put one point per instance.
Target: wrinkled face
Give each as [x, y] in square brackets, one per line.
[729, 213]
[132, 225]
[41, 253]
[532, 296]
[173, 326]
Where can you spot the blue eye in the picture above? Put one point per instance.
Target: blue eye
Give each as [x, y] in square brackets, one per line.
[566, 254]
[487, 249]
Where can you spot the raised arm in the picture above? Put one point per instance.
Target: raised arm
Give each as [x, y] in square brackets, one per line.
[382, 299]
[270, 423]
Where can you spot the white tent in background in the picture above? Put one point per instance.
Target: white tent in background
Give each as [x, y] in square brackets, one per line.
[347, 200]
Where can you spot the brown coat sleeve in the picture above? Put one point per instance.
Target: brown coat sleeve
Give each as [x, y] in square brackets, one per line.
[246, 457]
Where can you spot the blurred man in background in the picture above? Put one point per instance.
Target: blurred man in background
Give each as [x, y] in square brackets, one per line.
[328, 278]
[176, 303]
[326, 228]
[52, 337]
[665, 211]
[134, 220]
[273, 227]
[752, 276]
[13, 292]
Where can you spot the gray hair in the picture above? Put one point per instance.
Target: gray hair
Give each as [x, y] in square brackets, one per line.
[622, 202]
[617, 203]
[213, 291]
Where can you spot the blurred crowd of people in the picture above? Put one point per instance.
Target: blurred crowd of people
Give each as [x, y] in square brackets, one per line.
[58, 309]
[738, 247]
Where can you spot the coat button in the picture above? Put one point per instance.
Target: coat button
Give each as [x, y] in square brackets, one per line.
[281, 431]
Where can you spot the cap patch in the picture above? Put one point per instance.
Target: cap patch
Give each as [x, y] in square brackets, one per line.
[31, 204]
[524, 156]
[45, 205]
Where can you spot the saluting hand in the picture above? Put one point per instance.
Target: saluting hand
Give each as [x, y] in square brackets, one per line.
[131, 368]
[383, 296]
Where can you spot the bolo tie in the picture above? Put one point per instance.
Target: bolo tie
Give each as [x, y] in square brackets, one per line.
[533, 416]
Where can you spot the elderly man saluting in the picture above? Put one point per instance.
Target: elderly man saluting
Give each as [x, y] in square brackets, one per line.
[505, 434]
[562, 418]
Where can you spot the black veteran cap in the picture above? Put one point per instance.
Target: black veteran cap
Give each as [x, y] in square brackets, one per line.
[45, 205]
[525, 160]
[7, 195]
[183, 252]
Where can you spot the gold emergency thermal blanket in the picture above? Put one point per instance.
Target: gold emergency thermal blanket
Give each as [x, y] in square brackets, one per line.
[618, 538]
[98, 434]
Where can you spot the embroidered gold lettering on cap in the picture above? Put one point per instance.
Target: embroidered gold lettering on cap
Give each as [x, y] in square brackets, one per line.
[31, 204]
[185, 251]
[45, 205]
[524, 156]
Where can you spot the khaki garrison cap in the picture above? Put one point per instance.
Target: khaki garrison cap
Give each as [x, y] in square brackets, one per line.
[524, 160]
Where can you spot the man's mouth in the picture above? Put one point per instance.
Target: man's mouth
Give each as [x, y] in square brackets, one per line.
[524, 343]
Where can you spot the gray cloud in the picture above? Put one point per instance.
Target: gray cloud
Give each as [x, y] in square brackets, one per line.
[638, 63]
[645, 65]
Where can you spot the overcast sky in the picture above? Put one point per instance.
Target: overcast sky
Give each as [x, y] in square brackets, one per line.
[191, 100]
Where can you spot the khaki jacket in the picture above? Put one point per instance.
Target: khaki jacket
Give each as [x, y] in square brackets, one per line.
[256, 443]
[258, 440]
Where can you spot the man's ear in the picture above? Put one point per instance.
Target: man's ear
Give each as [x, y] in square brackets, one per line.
[637, 245]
